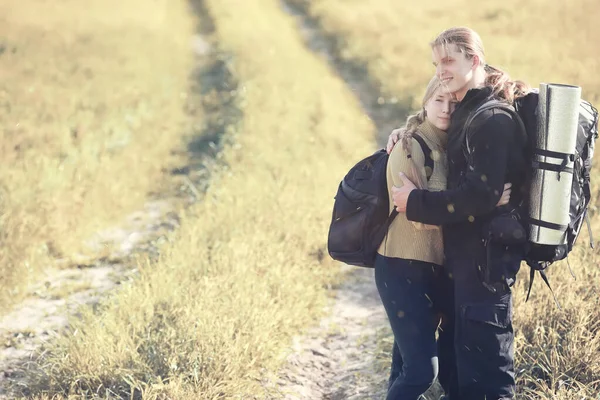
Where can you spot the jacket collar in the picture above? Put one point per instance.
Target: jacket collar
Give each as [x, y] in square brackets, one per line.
[474, 97]
[472, 100]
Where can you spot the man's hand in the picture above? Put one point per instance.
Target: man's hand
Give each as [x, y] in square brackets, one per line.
[400, 195]
[392, 140]
[505, 195]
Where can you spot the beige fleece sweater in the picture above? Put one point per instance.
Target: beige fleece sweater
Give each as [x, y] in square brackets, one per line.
[406, 239]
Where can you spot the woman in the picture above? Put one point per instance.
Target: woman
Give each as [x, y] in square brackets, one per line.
[483, 307]
[408, 270]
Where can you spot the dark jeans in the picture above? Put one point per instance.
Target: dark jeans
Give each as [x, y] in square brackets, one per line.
[415, 295]
[484, 334]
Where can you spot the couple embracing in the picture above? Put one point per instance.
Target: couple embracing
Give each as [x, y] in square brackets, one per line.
[445, 289]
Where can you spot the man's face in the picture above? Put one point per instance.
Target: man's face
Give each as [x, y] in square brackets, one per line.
[454, 69]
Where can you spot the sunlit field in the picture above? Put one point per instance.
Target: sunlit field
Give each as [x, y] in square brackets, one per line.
[248, 268]
[94, 102]
[535, 41]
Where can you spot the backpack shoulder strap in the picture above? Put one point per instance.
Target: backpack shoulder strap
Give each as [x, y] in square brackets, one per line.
[427, 153]
[428, 171]
[489, 105]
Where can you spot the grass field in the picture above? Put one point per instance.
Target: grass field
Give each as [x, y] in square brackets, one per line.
[536, 41]
[247, 269]
[93, 99]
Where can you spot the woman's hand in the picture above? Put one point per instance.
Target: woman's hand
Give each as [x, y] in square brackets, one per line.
[505, 195]
[392, 140]
[400, 195]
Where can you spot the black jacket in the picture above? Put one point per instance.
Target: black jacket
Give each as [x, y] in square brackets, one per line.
[474, 188]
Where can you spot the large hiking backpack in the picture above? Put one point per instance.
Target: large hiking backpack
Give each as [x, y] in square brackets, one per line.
[361, 216]
[538, 256]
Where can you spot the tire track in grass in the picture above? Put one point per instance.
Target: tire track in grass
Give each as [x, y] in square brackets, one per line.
[217, 89]
[336, 359]
[351, 347]
[33, 324]
[340, 358]
[386, 113]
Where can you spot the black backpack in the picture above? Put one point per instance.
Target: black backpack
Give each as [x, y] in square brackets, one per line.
[539, 257]
[361, 215]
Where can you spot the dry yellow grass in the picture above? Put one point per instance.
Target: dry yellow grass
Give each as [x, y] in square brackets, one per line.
[558, 351]
[248, 267]
[91, 102]
[537, 41]
[246, 270]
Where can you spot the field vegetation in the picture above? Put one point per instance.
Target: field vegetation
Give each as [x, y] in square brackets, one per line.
[93, 99]
[248, 267]
[92, 102]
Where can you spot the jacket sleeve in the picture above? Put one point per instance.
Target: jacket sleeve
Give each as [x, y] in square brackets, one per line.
[399, 162]
[482, 185]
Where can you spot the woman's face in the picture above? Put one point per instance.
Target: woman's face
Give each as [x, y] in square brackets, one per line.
[454, 69]
[439, 108]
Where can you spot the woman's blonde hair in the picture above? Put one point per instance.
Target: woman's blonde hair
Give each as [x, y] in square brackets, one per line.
[413, 121]
[411, 126]
[470, 44]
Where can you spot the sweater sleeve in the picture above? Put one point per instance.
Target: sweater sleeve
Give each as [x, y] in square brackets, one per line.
[481, 186]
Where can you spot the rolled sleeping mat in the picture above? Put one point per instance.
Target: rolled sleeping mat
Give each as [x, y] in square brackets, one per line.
[552, 179]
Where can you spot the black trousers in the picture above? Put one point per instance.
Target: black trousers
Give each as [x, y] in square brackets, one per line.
[483, 331]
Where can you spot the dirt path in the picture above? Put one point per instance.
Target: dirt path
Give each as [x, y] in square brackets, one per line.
[386, 113]
[337, 360]
[45, 312]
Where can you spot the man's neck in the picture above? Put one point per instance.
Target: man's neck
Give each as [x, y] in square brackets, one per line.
[478, 81]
